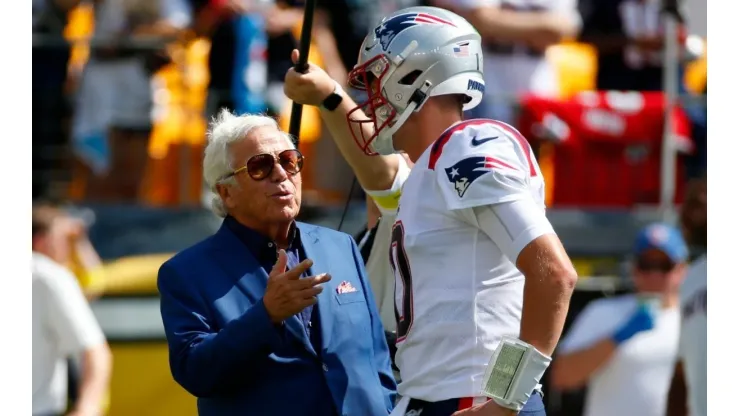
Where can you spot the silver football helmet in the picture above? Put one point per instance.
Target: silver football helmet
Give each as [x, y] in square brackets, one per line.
[413, 54]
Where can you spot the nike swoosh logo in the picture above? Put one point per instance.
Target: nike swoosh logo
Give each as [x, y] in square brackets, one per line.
[477, 142]
[367, 48]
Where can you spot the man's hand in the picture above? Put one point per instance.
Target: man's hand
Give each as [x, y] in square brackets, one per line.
[286, 293]
[489, 408]
[310, 88]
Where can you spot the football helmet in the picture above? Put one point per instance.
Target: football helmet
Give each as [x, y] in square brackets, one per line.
[411, 55]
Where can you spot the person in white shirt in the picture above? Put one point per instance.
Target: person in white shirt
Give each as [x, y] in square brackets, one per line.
[688, 392]
[623, 348]
[63, 324]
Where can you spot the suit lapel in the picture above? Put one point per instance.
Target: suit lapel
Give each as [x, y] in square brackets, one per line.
[321, 264]
[241, 266]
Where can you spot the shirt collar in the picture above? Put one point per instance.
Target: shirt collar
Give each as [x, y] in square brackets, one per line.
[257, 243]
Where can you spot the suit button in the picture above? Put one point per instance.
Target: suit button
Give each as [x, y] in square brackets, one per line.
[325, 367]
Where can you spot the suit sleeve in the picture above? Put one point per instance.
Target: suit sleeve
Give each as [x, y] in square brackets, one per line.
[381, 355]
[204, 361]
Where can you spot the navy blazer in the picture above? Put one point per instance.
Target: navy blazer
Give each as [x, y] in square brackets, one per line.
[224, 350]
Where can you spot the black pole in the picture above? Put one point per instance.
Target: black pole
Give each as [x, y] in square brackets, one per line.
[302, 66]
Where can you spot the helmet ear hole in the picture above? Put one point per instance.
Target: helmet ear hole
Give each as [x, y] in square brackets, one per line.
[410, 78]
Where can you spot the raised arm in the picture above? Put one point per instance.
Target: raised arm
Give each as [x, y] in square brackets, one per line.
[375, 173]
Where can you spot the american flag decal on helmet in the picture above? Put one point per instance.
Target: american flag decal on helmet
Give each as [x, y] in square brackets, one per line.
[461, 50]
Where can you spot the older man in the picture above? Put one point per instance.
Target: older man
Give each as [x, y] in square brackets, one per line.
[271, 316]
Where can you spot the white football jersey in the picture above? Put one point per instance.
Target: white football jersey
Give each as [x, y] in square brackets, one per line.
[458, 290]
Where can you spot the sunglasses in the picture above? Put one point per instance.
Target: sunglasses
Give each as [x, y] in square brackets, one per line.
[655, 266]
[260, 166]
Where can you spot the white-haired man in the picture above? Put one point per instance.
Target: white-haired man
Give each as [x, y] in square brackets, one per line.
[254, 322]
[480, 274]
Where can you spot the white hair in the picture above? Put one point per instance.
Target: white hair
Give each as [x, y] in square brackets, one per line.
[226, 129]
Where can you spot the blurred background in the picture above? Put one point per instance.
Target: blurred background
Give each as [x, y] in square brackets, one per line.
[123, 91]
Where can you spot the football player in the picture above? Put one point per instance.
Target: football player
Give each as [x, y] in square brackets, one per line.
[482, 281]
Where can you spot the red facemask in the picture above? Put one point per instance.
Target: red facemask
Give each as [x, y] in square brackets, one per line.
[376, 110]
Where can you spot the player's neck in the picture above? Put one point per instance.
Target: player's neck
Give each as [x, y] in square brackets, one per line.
[426, 133]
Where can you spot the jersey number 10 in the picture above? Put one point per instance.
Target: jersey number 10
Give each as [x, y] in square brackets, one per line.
[401, 268]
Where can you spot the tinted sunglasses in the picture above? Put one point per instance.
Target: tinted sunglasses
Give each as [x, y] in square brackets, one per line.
[260, 166]
[654, 266]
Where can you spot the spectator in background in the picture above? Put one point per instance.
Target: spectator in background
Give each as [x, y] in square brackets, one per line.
[237, 62]
[280, 23]
[50, 58]
[628, 37]
[112, 121]
[624, 348]
[516, 34]
[63, 324]
[688, 392]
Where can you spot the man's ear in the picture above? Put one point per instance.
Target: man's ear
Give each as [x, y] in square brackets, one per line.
[224, 192]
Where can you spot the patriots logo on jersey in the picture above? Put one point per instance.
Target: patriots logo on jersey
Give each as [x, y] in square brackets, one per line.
[389, 29]
[466, 171]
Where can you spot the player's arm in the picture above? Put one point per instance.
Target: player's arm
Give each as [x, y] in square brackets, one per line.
[677, 393]
[537, 28]
[548, 285]
[549, 277]
[311, 88]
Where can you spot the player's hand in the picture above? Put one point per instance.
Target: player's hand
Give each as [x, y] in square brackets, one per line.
[489, 408]
[310, 88]
[286, 293]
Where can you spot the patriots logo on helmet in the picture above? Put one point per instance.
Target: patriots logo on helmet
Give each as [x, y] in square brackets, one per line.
[389, 29]
[466, 171]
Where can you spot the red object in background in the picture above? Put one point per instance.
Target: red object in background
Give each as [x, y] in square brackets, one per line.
[607, 147]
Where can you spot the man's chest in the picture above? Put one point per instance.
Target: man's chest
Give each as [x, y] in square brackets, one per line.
[421, 208]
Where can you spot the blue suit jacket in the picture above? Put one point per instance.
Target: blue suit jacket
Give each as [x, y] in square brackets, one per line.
[224, 350]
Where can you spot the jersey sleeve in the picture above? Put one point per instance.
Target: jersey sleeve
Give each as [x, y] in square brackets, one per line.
[387, 200]
[513, 225]
[483, 162]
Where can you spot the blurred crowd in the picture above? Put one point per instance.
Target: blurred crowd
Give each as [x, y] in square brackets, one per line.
[123, 91]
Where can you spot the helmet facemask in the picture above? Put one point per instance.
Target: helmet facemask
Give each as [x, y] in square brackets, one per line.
[385, 118]
[376, 110]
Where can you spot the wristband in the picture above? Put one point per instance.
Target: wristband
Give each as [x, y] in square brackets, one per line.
[513, 373]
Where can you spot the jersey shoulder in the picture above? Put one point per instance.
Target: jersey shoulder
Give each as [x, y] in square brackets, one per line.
[480, 162]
